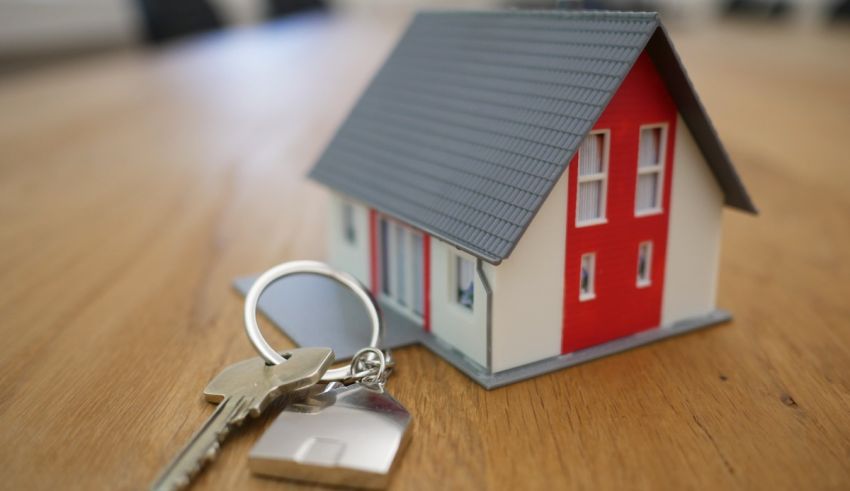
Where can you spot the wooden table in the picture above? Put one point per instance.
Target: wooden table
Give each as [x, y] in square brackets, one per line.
[134, 187]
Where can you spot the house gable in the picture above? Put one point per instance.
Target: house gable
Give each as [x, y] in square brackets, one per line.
[618, 304]
[679, 86]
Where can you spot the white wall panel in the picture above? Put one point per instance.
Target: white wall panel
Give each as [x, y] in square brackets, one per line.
[528, 291]
[464, 329]
[693, 245]
[350, 257]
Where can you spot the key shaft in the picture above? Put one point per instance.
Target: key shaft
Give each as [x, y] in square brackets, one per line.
[243, 389]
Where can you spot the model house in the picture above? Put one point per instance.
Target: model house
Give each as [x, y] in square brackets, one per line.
[532, 189]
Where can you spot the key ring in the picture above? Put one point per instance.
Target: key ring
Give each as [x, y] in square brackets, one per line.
[268, 353]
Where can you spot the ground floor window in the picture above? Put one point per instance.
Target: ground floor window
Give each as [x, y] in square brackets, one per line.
[349, 231]
[644, 265]
[402, 265]
[464, 282]
[587, 278]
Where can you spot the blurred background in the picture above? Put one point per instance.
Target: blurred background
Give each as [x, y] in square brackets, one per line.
[151, 151]
[38, 32]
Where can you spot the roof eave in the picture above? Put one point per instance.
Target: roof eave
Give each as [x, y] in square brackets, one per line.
[681, 89]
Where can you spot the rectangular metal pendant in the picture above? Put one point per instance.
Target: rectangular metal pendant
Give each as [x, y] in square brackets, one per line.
[348, 436]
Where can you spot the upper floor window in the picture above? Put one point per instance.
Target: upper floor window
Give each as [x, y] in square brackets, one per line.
[650, 169]
[592, 179]
[349, 231]
[587, 277]
[644, 264]
[464, 282]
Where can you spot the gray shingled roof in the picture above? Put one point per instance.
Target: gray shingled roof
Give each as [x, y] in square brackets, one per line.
[475, 115]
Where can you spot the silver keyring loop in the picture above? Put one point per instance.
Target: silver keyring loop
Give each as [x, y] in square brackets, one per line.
[308, 267]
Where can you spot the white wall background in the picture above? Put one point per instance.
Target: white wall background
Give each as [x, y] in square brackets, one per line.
[693, 244]
[464, 329]
[352, 258]
[528, 290]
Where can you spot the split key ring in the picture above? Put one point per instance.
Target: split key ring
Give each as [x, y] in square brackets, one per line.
[280, 271]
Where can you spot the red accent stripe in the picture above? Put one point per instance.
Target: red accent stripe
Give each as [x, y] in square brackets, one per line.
[426, 265]
[373, 251]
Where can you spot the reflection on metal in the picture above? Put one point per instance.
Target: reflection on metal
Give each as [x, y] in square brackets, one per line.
[344, 436]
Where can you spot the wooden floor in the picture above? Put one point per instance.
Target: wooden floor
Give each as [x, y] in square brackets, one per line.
[135, 186]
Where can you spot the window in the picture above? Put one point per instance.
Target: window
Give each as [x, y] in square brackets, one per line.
[402, 265]
[592, 179]
[644, 264]
[587, 280]
[649, 171]
[465, 282]
[348, 229]
[418, 279]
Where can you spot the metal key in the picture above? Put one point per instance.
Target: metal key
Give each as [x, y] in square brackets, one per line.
[243, 389]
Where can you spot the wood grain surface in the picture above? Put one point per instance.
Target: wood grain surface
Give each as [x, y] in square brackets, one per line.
[135, 186]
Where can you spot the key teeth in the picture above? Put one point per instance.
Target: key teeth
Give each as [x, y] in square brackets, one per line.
[183, 481]
[209, 455]
[212, 451]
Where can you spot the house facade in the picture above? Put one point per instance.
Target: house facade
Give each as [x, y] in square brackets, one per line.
[559, 190]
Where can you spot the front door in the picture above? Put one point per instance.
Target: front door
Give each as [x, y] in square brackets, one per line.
[402, 260]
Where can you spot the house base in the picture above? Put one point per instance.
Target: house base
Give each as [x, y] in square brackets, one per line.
[300, 308]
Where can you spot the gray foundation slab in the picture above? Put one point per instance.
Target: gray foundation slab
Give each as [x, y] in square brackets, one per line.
[315, 311]
[505, 377]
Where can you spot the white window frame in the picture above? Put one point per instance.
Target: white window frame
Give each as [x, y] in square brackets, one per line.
[600, 176]
[349, 223]
[591, 293]
[655, 169]
[454, 277]
[647, 279]
[390, 292]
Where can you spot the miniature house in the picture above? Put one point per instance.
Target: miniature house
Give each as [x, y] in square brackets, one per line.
[532, 189]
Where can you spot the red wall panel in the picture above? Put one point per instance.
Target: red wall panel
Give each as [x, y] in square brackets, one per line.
[620, 307]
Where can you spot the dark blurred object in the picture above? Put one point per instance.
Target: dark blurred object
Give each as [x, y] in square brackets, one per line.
[626, 5]
[636, 6]
[569, 4]
[840, 11]
[758, 9]
[165, 20]
[281, 8]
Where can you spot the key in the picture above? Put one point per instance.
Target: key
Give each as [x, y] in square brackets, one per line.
[241, 390]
